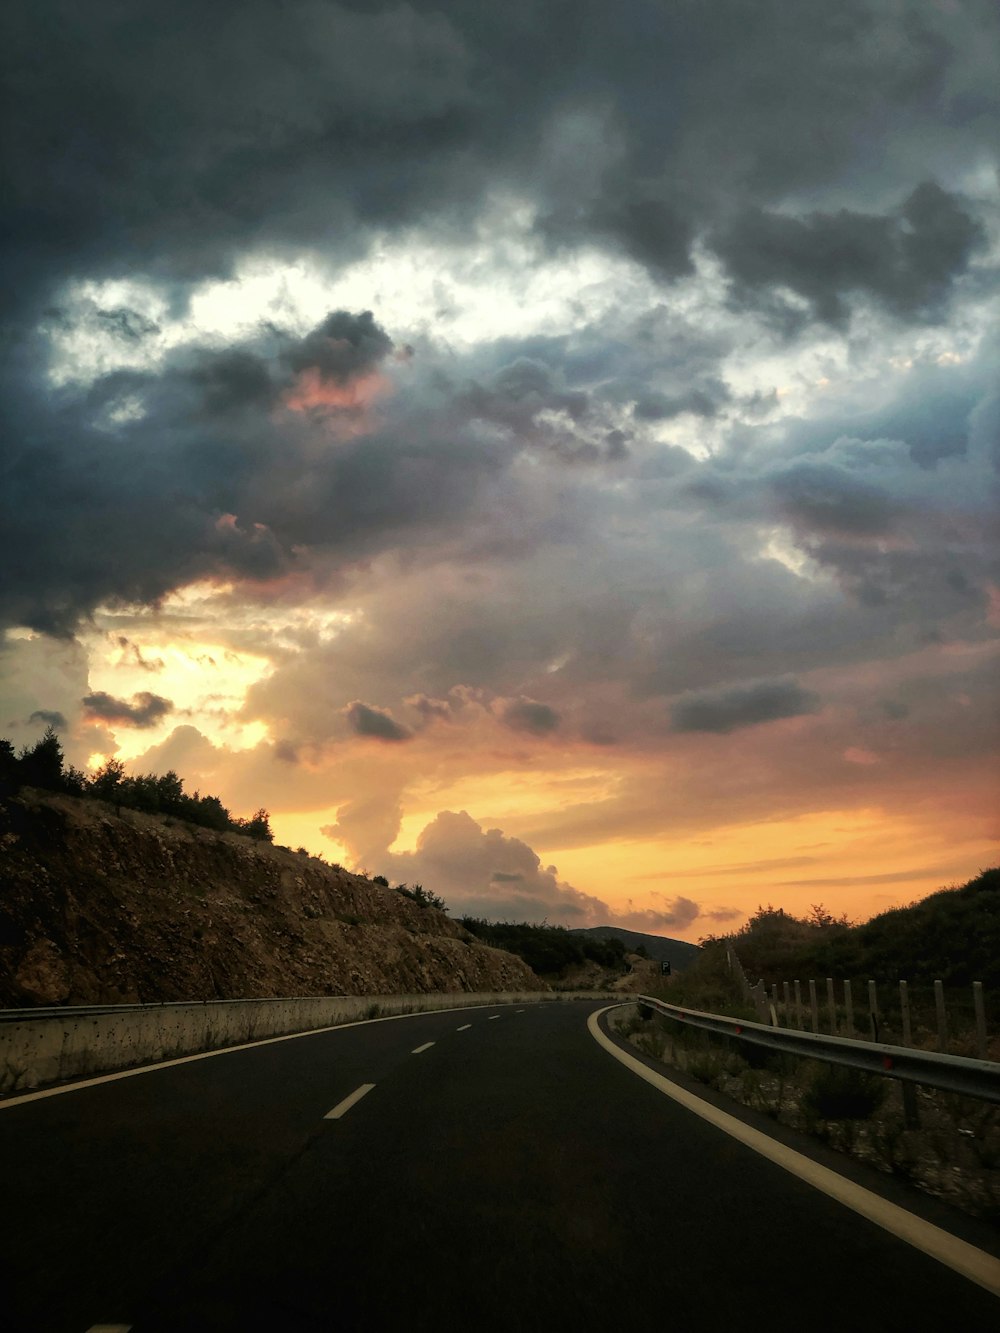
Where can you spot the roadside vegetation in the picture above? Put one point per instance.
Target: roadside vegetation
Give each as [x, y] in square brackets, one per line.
[952, 935]
[43, 765]
[548, 950]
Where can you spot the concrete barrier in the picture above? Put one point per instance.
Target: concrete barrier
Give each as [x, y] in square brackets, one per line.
[38, 1048]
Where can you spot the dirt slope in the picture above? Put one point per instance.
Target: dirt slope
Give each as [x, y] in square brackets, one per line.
[98, 907]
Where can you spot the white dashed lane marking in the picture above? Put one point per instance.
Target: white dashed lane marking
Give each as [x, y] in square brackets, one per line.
[465, 1027]
[493, 1017]
[343, 1107]
[417, 1050]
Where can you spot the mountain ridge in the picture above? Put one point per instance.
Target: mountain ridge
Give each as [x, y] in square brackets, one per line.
[678, 953]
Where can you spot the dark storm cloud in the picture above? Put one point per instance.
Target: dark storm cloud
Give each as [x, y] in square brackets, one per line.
[656, 234]
[517, 395]
[197, 133]
[194, 132]
[50, 716]
[203, 480]
[378, 722]
[906, 259]
[821, 497]
[728, 709]
[145, 709]
[228, 381]
[700, 402]
[168, 143]
[342, 347]
[529, 715]
[128, 325]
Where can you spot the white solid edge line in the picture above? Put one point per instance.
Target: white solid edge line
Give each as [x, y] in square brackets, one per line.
[419, 1050]
[464, 1028]
[222, 1050]
[343, 1107]
[959, 1255]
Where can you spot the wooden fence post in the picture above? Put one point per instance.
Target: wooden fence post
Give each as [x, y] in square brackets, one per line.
[904, 1009]
[911, 1112]
[942, 1022]
[873, 1009]
[980, 1008]
[849, 1007]
[788, 1004]
[760, 997]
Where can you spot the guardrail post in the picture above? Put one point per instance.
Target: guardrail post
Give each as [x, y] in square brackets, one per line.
[980, 1008]
[904, 1009]
[798, 1005]
[788, 1004]
[942, 1022]
[831, 1001]
[849, 1008]
[873, 1010]
[813, 1006]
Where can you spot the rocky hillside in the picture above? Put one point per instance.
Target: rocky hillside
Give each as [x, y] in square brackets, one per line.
[99, 907]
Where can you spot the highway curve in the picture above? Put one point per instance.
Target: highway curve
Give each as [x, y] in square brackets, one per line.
[502, 1171]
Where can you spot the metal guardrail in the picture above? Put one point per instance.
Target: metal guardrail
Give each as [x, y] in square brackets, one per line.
[67, 1011]
[85, 1010]
[950, 1073]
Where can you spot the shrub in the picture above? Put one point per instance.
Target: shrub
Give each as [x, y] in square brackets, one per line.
[838, 1093]
[421, 896]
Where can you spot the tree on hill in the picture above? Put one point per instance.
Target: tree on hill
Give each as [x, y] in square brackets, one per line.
[41, 765]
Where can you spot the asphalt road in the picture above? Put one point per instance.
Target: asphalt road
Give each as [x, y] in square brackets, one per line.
[513, 1175]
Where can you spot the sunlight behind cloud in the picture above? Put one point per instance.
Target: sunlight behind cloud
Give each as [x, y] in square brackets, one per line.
[205, 680]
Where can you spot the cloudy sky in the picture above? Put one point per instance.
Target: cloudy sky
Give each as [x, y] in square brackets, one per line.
[547, 451]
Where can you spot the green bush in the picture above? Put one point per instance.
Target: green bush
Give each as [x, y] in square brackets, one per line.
[838, 1093]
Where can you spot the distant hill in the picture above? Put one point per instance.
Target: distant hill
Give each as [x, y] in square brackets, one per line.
[678, 953]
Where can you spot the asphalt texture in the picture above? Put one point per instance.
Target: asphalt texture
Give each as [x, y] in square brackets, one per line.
[512, 1176]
